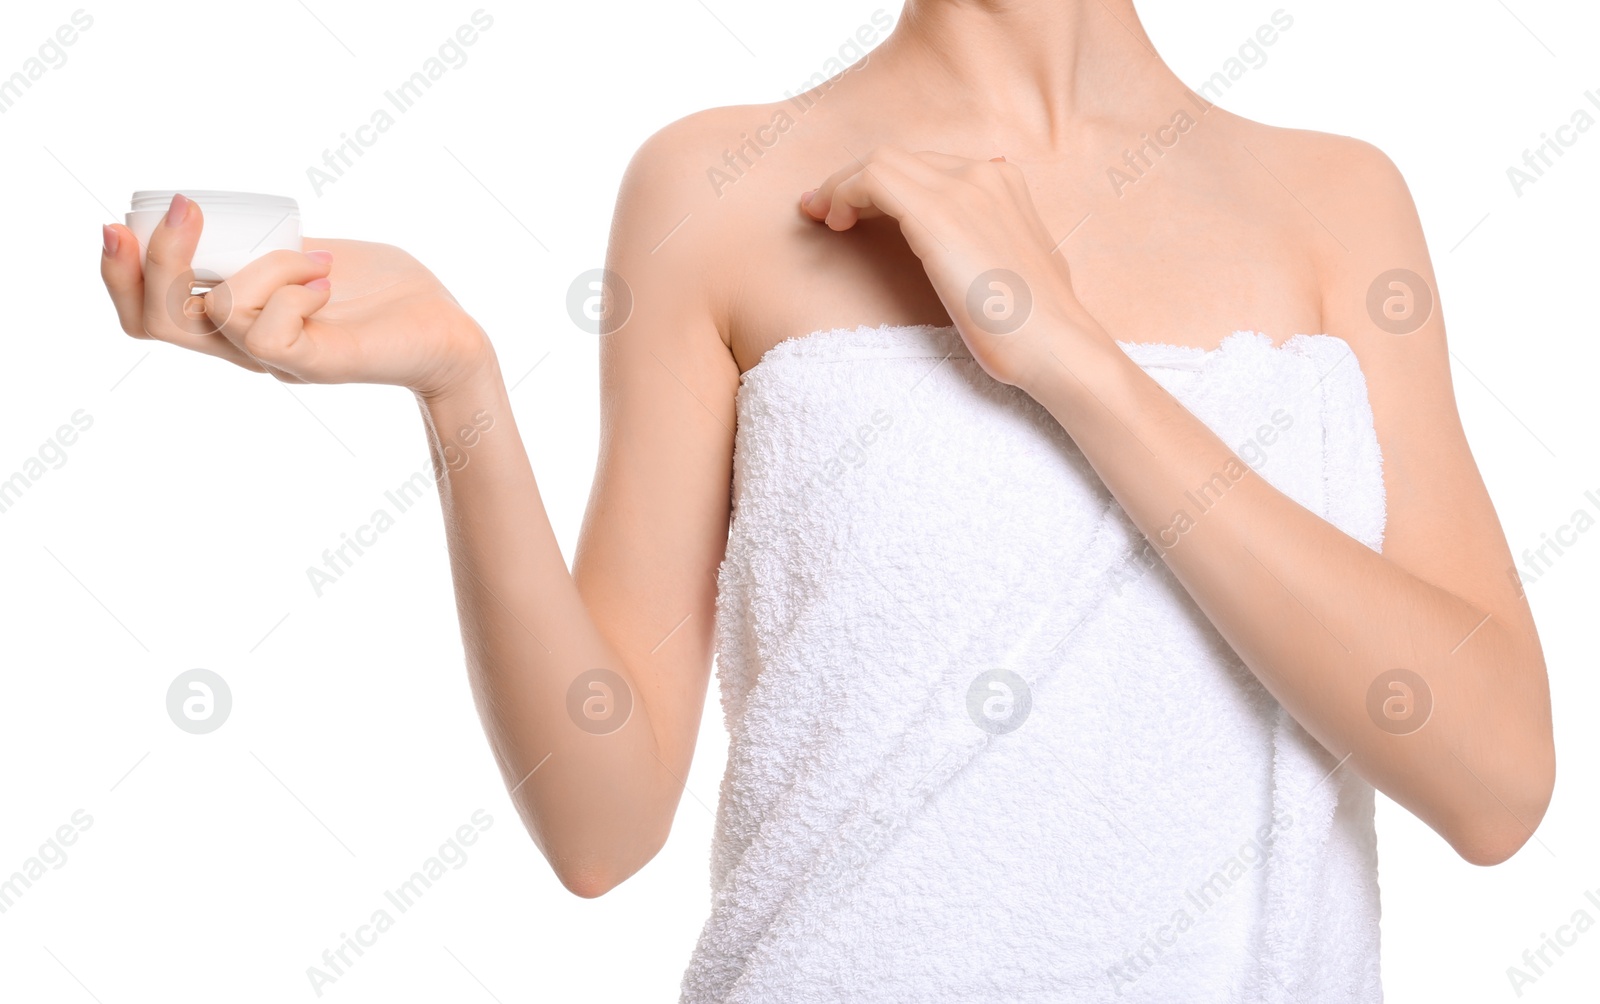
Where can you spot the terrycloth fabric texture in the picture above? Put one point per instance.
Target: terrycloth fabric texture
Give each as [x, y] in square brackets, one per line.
[919, 559]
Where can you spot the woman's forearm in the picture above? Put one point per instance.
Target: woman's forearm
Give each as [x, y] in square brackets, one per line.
[1316, 614]
[593, 795]
[593, 746]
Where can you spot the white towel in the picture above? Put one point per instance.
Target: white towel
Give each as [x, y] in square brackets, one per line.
[920, 556]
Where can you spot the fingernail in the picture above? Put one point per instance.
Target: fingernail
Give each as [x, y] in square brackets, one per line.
[108, 234]
[1001, 157]
[320, 257]
[177, 211]
[805, 197]
[318, 284]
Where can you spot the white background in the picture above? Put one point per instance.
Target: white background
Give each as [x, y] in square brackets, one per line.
[178, 531]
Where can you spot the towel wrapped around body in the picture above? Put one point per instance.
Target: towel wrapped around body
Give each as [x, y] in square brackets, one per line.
[984, 746]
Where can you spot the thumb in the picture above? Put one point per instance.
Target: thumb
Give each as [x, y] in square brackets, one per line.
[279, 337]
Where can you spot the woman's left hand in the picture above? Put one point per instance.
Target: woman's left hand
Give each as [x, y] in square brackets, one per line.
[985, 249]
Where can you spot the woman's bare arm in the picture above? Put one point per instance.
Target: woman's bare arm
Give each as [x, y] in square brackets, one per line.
[1317, 616]
[1320, 618]
[596, 785]
[639, 601]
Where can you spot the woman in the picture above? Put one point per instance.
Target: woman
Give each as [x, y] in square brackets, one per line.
[1036, 690]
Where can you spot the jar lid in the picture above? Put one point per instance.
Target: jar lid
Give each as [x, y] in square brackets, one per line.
[160, 198]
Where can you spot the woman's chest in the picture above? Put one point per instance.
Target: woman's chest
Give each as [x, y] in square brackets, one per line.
[1160, 265]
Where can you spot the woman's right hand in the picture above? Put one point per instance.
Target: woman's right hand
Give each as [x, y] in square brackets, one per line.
[340, 312]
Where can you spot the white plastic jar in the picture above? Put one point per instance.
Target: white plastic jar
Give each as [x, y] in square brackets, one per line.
[239, 227]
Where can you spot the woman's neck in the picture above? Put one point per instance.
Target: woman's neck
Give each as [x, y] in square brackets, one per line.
[1041, 69]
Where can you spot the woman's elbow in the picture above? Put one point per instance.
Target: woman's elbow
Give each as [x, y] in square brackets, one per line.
[590, 875]
[1506, 819]
[588, 883]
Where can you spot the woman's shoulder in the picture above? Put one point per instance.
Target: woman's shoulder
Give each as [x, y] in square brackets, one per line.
[1353, 202]
[1320, 160]
[671, 194]
[711, 155]
[700, 208]
[1358, 219]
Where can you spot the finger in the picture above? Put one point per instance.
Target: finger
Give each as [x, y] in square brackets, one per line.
[191, 309]
[995, 173]
[822, 197]
[883, 189]
[279, 337]
[888, 156]
[172, 311]
[124, 279]
[168, 277]
[947, 161]
[852, 199]
[234, 306]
